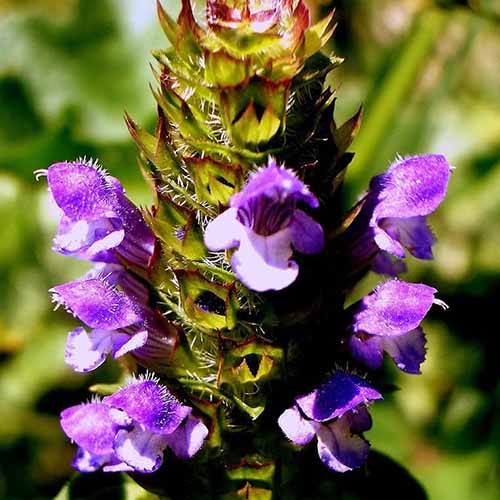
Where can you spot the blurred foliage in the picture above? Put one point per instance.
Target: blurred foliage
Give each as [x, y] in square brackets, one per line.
[428, 74]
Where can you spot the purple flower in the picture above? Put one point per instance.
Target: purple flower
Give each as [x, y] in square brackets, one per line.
[336, 414]
[98, 221]
[410, 189]
[129, 430]
[388, 320]
[263, 222]
[117, 275]
[120, 324]
[393, 216]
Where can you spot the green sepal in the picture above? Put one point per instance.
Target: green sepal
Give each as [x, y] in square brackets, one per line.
[345, 134]
[215, 182]
[223, 70]
[315, 70]
[252, 469]
[185, 74]
[237, 370]
[104, 389]
[347, 220]
[156, 150]
[177, 229]
[254, 412]
[318, 35]
[189, 34]
[259, 91]
[243, 42]
[214, 411]
[249, 492]
[193, 287]
[229, 153]
[280, 70]
[168, 25]
[190, 121]
[253, 114]
[248, 130]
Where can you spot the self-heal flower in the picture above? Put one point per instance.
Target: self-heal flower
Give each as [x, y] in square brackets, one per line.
[392, 218]
[264, 223]
[129, 430]
[388, 320]
[336, 414]
[98, 223]
[411, 189]
[120, 324]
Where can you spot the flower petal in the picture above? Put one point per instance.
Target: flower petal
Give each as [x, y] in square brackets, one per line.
[91, 427]
[307, 234]
[340, 450]
[88, 462]
[393, 308]
[411, 189]
[86, 239]
[141, 449]
[407, 351]
[359, 419]
[274, 182]
[224, 231]
[86, 351]
[263, 262]
[367, 349]
[187, 440]
[413, 234]
[384, 264]
[124, 344]
[341, 393]
[98, 304]
[151, 405]
[295, 427]
[81, 190]
[412, 186]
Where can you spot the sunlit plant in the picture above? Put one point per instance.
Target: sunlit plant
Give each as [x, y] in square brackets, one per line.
[224, 302]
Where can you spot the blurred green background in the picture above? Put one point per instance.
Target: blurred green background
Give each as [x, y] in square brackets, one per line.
[428, 74]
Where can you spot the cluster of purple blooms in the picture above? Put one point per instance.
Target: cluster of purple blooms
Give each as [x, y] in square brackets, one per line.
[130, 429]
[264, 224]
